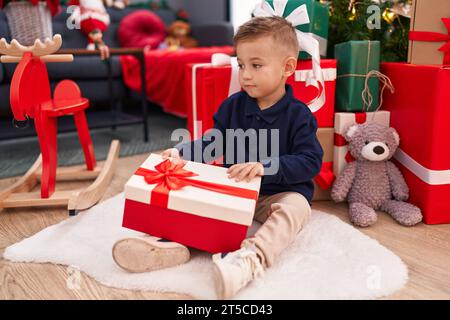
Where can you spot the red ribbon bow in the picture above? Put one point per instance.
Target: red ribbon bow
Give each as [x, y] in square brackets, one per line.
[169, 176]
[437, 37]
[326, 176]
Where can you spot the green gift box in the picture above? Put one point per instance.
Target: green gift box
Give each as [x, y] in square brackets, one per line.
[355, 61]
[318, 14]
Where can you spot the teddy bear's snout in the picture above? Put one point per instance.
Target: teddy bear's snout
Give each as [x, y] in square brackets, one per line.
[378, 150]
[375, 151]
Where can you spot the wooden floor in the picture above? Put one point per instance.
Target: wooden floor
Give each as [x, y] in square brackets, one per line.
[424, 248]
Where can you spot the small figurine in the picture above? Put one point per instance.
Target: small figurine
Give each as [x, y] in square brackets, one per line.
[94, 20]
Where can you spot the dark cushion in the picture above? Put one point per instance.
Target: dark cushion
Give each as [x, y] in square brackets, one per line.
[85, 68]
[94, 90]
[4, 100]
[4, 28]
[217, 34]
[81, 68]
[4, 33]
[140, 29]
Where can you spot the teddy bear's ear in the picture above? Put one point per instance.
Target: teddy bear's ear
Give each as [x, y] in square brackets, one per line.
[351, 132]
[395, 134]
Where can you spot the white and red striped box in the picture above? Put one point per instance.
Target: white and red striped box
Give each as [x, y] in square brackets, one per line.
[208, 211]
[342, 121]
[420, 112]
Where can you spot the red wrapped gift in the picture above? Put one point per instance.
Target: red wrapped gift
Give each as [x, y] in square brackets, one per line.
[420, 112]
[192, 203]
[213, 84]
[325, 113]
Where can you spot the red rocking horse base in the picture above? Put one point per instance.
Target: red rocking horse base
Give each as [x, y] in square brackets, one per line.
[31, 99]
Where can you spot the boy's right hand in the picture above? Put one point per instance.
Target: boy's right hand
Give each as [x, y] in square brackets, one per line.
[172, 153]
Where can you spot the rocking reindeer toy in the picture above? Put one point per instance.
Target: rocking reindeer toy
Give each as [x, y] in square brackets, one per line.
[31, 99]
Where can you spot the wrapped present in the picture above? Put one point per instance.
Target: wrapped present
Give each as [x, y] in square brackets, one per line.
[317, 27]
[420, 112]
[323, 182]
[429, 33]
[190, 203]
[209, 84]
[357, 86]
[299, 81]
[342, 121]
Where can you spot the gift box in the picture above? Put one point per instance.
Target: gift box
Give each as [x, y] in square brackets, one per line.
[325, 113]
[318, 22]
[430, 32]
[323, 182]
[357, 63]
[208, 85]
[342, 121]
[420, 112]
[190, 203]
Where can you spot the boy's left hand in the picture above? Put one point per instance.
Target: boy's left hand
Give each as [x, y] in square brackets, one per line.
[245, 171]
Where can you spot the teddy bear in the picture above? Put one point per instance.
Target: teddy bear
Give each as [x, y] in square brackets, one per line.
[372, 182]
[178, 36]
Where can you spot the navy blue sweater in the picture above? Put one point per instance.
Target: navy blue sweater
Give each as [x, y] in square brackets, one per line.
[291, 166]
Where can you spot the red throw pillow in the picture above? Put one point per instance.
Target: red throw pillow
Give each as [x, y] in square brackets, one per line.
[140, 29]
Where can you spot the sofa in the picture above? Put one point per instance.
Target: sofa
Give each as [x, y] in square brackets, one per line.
[90, 72]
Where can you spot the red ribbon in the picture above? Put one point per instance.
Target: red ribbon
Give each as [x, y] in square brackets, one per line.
[360, 117]
[339, 140]
[435, 37]
[326, 176]
[169, 176]
[348, 157]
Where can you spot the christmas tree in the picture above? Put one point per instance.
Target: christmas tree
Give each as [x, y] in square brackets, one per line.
[383, 20]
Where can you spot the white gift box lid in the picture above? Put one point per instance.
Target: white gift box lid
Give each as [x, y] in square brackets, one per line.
[342, 120]
[197, 201]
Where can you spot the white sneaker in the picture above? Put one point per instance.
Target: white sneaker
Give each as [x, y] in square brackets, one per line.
[147, 253]
[234, 270]
[91, 46]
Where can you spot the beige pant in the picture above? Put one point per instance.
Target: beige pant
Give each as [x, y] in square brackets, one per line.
[282, 215]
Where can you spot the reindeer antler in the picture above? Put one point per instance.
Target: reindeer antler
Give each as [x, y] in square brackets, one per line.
[38, 49]
[13, 52]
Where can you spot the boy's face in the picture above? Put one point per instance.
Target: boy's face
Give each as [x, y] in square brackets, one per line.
[262, 66]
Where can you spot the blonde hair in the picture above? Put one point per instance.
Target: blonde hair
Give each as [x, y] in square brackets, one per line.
[277, 27]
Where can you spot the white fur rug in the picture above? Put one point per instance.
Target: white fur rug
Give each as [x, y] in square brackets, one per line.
[329, 260]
